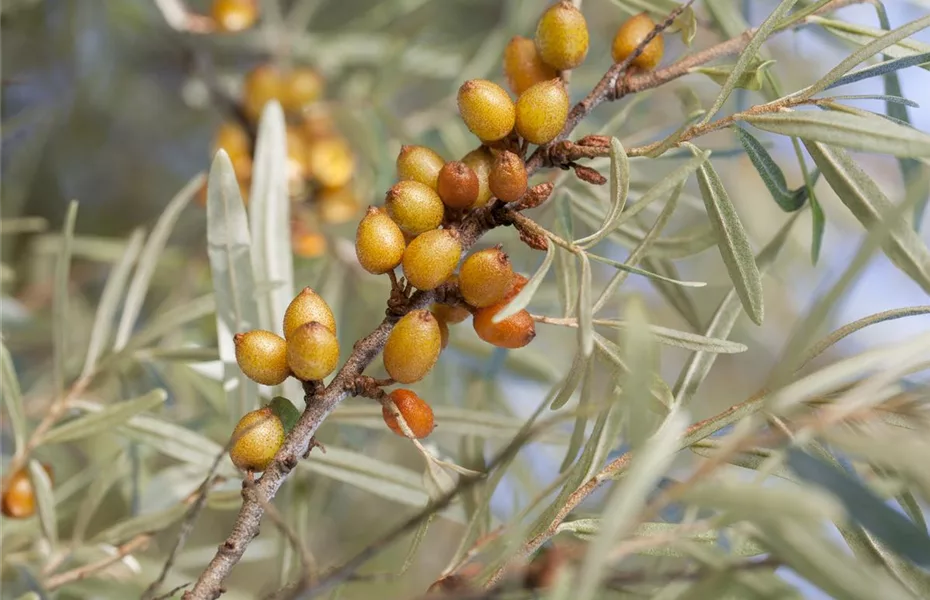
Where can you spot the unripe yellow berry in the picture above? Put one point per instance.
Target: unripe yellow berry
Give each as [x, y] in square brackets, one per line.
[542, 111]
[261, 85]
[338, 205]
[262, 356]
[307, 307]
[417, 414]
[233, 16]
[232, 138]
[414, 206]
[297, 162]
[523, 66]
[443, 331]
[379, 242]
[507, 179]
[302, 86]
[480, 160]
[486, 277]
[431, 258]
[256, 439]
[562, 36]
[419, 163]
[630, 35]
[487, 109]
[330, 161]
[312, 351]
[450, 314]
[457, 185]
[412, 347]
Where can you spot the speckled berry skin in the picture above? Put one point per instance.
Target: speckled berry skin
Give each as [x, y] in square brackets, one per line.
[312, 351]
[542, 111]
[307, 307]
[450, 314]
[487, 109]
[414, 206]
[480, 160]
[256, 439]
[630, 35]
[330, 161]
[262, 356]
[431, 258]
[419, 163]
[486, 277]
[562, 36]
[458, 185]
[523, 66]
[413, 347]
[508, 178]
[416, 412]
[379, 242]
[514, 332]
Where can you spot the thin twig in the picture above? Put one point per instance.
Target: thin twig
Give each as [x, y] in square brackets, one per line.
[85, 571]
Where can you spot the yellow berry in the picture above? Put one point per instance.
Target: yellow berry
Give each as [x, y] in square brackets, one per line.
[431, 258]
[308, 244]
[457, 185]
[19, 497]
[443, 331]
[562, 36]
[542, 111]
[523, 66]
[257, 437]
[419, 163]
[480, 160]
[260, 86]
[414, 206]
[417, 414]
[232, 138]
[297, 162]
[307, 307]
[412, 347]
[317, 123]
[486, 277]
[486, 108]
[262, 356]
[301, 86]
[312, 351]
[450, 314]
[379, 242]
[507, 179]
[330, 161]
[234, 15]
[630, 35]
[338, 205]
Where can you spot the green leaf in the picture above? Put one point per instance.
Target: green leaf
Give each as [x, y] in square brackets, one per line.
[637, 271]
[818, 225]
[641, 358]
[870, 134]
[771, 173]
[566, 269]
[882, 68]
[523, 298]
[228, 246]
[685, 339]
[659, 389]
[751, 79]
[104, 420]
[146, 523]
[60, 319]
[45, 501]
[586, 529]
[585, 312]
[732, 242]
[619, 191]
[870, 205]
[148, 261]
[286, 411]
[572, 379]
[12, 398]
[888, 98]
[95, 495]
[172, 440]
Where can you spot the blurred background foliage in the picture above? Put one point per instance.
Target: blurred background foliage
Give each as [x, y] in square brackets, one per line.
[104, 103]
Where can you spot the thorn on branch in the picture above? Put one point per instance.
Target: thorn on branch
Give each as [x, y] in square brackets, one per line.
[314, 444]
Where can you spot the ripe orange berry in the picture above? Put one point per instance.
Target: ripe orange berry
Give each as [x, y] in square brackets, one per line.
[260, 86]
[417, 414]
[338, 205]
[542, 111]
[308, 244]
[523, 66]
[412, 347]
[419, 163]
[232, 138]
[630, 35]
[379, 242]
[507, 179]
[514, 332]
[450, 314]
[431, 258]
[301, 86]
[480, 160]
[234, 15]
[19, 497]
[262, 356]
[457, 185]
[486, 277]
[414, 206]
[330, 161]
[257, 437]
[487, 109]
[312, 351]
[562, 36]
[307, 307]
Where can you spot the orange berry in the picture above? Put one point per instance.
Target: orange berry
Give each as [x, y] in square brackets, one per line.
[430, 259]
[523, 66]
[542, 111]
[308, 244]
[307, 307]
[486, 277]
[258, 436]
[19, 498]
[260, 86]
[487, 109]
[419, 163]
[232, 138]
[562, 36]
[317, 122]
[514, 332]
[338, 205]
[443, 332]
[630, 35]
[330, 161]
[301, 86]
[507, 179]
[262, 356]
[450, 314]
[417, 414]
[379, 242]
[412, 347]
[233, 16]
[298, 168]
[457, 185]
[480, 160]
[414, 206]
[312, 351]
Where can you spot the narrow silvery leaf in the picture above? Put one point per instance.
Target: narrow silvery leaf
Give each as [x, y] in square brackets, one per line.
[882, 68]
[171, 440]
[572, 379]
[110, 417]
[641, 358]
[96, 493]
[585, 312]
[619, 191]
[172, 319]
[45, 501]
[637, 271]
[60, 320]
[856, 131]
[586, 404]
[769, 171]
[659, 389]
[148, 260]
[685, 339]
[732, 242]
[566, 270]
[12, 398]
[145, 523]
[751, 79]
[869, 204]
[888, 98]
[522, 299]
[228, 246]
[818, 225]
